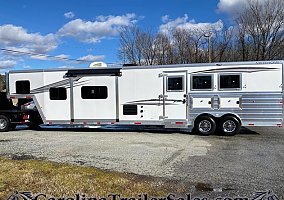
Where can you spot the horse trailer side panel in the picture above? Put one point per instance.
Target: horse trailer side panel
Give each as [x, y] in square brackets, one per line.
[141, 89]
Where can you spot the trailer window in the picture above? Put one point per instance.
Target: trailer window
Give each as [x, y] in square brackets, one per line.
[201, 82]
[130, 110]
[175, 83]
[94, 92]
[23, 87]
[230, 81]
[59, 93]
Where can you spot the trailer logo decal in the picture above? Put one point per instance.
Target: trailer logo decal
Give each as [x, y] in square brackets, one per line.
[63, 83]
[155, 102]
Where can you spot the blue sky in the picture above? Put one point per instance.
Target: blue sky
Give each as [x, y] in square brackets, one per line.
[88, 29]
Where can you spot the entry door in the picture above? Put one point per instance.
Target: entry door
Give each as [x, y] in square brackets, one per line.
[174, 98]
[95, 99]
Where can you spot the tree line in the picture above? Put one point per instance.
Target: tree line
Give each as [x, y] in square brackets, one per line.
[258, 34]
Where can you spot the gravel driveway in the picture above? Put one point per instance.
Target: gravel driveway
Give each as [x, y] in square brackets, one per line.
[240, 165]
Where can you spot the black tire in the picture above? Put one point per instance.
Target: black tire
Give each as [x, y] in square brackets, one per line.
[205, 125]
[4, 123]
[229, 125]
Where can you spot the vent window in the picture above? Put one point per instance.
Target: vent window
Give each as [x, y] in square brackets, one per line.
[94, 92]
[23, 87]
[59, 93]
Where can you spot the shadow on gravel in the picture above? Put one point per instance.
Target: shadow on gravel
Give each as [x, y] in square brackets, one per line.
[121, 128]
[128, 128]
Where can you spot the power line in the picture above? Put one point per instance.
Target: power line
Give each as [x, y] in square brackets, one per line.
[45, 55]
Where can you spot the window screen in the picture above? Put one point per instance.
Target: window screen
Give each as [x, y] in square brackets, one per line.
[22, 87]
[230, 81]
[201, 82]
[59, 93]
[175, 83]
[94, 92]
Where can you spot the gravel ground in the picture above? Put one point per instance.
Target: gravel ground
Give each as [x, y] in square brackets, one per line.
[210, 166]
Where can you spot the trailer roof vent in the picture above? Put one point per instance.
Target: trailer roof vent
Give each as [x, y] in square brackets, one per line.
[97, 64]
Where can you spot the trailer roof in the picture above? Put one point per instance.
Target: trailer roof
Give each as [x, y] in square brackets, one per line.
[114, 70]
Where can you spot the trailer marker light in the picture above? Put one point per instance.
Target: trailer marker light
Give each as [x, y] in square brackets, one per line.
[137, 123]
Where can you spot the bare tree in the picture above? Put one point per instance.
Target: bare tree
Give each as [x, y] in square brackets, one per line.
[128, 47]
[164, 54]
[222, 44]
[261, 26]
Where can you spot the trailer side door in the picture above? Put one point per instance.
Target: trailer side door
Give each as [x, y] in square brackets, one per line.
[174, 98]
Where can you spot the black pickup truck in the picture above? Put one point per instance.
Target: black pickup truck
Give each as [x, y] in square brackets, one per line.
[10, 115]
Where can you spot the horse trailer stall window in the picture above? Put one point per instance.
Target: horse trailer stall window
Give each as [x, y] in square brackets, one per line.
[230, 81]
[23, 87]
[59, 93]
[201, 82]
[94, 92]
[175, 83]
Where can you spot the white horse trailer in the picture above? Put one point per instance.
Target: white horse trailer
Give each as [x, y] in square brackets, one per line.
[206, 97]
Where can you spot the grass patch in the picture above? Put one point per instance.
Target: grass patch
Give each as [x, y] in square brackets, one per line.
[59, 180]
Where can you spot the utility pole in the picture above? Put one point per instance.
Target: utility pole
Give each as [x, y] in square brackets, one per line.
[208, 36]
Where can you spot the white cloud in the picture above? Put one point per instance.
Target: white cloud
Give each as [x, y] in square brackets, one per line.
[4, 64]
[191, 25]
[165, 18]
[18, 37]
[62, 57]
[94, 31]
[39, 57]
[27, 67]
[234, 7]
[69, 15]
[92, 58]
[231, 6]
[65, 67]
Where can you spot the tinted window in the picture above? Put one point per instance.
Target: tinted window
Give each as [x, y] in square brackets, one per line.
[201, 82]
[58, 93]
[129, 109]
[175, 84]
[94, 92]
[22, 87]
[230, 81]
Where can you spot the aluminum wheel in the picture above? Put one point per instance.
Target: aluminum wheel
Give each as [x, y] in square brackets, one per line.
[204, 126]
[229, 126]
[3, 123]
